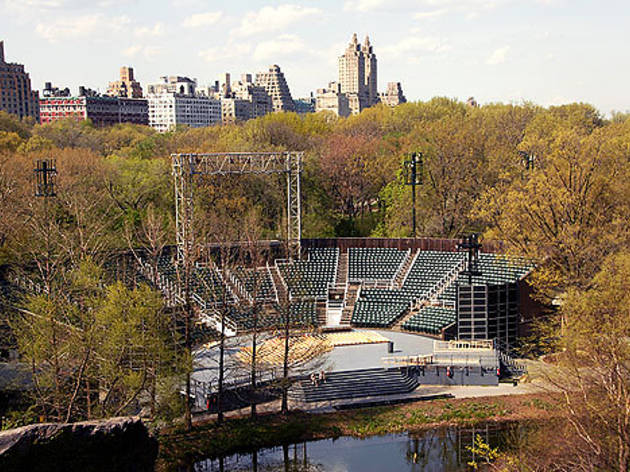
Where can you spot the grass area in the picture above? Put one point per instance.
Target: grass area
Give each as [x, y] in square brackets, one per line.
[241, 434]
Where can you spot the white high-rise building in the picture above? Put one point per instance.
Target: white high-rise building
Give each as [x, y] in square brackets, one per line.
[174, 101]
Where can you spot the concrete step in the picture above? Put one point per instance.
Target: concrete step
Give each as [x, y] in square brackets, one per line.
[354, 384]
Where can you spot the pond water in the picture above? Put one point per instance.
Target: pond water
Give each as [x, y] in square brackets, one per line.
[444, 449]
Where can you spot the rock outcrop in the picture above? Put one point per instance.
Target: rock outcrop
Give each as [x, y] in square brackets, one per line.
[115, 444]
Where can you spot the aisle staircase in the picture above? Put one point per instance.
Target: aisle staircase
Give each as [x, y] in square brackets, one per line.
[320, 310]
[509, 366]
[351, 299]
[354, 384]
[342, 269]
[403, 270]
[278, 283]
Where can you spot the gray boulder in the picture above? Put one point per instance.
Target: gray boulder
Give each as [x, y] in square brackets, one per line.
[115, 444]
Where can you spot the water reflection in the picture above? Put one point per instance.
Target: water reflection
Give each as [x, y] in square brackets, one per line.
[435, 450]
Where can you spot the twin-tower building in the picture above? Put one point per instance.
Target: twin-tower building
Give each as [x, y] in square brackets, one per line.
[357, 87]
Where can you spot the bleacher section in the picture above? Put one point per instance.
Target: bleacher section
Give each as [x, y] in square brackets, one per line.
[309, 279]
[256, 282]
[381, 307]
[430, 320]
[495, 269]
[301, 313]
[374, 263]
[428, 269]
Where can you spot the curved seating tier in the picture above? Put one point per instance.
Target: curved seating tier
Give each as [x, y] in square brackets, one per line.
[257, 282]
[374, 263]
[379, 307]
[495, 270]
[382, 307]
[310, 278]
[430, 319]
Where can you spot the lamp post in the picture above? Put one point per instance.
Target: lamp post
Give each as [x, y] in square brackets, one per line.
[528, 160]
[44, 187]
[413, 177]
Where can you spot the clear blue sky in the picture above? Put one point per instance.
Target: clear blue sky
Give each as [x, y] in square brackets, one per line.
[545, 51]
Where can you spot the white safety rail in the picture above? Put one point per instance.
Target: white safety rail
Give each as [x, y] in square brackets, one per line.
[28, 284]
[213, 319]
[400, 269]
[413, 263]
[175, 297]
[273, 285]
[418, 360]
[171, 290]
[463, 345]
[239, 286]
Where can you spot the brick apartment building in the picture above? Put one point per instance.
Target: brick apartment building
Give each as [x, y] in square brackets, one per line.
[101, 110]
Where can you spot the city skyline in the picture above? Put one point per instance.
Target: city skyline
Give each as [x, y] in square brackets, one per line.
[545, 51]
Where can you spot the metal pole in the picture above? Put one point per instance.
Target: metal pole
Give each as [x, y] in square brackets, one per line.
[413, 192]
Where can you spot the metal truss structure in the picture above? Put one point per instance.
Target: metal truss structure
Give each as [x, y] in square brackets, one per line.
[187, 166]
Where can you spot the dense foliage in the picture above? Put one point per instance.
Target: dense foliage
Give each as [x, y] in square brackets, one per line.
[567, 209]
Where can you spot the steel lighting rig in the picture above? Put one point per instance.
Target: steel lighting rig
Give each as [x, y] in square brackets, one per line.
[187, 166]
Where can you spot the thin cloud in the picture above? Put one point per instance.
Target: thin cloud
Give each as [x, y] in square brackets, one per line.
[498, 56]
[157, 30]
[228, 51]
[197, 20]
[423, 15]
[364, 5]
[412, 48]
[84, 26]
[269, 19]
[282, 46]
[147, 52]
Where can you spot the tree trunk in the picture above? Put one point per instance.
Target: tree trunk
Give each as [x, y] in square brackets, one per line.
[221, 368]
[285, 365]
[253, 366]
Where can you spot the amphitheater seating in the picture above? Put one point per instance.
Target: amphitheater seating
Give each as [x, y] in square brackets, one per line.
[209, 285]
[309, 279]
[430, 320]
[374, 263]
[257, 282]
[206, 282]
[301, 313]
[495, 269]
[379, 307]
[428, 269]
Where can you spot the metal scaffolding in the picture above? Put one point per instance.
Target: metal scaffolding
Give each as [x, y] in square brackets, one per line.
[187, 166]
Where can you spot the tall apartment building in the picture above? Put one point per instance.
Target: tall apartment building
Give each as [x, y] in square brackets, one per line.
[357, 88]
[235, 109]
[57, 104]
[16, 95]
[127, 86]
[358, 74]
[393, 95]
[370, 76]
[276, 86]
[175, 101]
